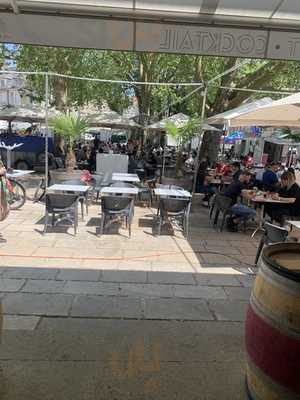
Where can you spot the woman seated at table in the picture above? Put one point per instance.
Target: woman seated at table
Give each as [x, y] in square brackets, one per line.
[289, 189]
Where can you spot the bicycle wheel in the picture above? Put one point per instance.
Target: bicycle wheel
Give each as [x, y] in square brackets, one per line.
[17, 196]
[36, 193]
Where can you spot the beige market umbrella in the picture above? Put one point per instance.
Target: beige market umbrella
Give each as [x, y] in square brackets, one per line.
[283, 112]
[25, 114]
[227, 117]
[110, 119]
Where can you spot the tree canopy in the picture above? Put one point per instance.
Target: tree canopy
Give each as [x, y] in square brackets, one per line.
[154, 102]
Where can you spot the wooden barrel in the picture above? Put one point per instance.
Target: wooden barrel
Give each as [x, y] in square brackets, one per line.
[273, 326]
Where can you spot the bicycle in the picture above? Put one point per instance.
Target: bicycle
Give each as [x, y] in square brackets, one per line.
[16, 194]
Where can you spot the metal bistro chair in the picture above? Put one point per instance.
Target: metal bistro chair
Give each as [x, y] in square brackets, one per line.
[113, 206]
[176, 208]
[63, 205]
[83, 198]
[145, 190]
[272, 234]
[222, 204]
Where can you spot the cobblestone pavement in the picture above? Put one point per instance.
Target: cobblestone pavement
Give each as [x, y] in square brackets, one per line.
[91, 317]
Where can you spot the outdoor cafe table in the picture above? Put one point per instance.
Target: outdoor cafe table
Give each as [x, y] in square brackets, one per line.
[18, 173]
[124, 177]
[172, 193]
[262, 201]
[294, 224]
[113, 190]
[69, 188]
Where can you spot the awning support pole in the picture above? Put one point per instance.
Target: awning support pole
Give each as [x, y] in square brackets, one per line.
[200, 139]
[46, 123]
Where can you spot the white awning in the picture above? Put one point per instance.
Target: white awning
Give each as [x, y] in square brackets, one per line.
[281, 113]
[240, 28]
[227, 117]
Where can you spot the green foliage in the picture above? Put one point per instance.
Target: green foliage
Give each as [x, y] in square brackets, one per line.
[153, 101]
[185, 133]
[69, 125]
[288, 134]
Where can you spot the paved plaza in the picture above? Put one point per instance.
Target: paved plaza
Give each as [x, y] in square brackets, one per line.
[90, 317]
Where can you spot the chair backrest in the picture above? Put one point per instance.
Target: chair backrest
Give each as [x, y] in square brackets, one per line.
[58, 176]
[151, 183]
[274, 233]
[60, 200]
[116, 203]
[222, 203]
[97, 180]
[122, 184]
[175, 205]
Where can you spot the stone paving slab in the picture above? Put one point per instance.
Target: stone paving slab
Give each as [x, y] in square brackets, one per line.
[106, 307]
[37, 304]
[43, 286]
[30, 273]
[87, 288]
[238, 293]
[199, 292]
[229, 310]
[179, 309]
[11, 285]
[147, 290]
[171, 277]
[20, 322]
[212, 279]
[78, 275]
[125, 276]
[218, 259]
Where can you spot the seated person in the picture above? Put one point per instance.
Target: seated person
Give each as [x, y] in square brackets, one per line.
[270, 179]
[236, 170]
[289, 188]
[239, 211]
[248, 160]
[203, 183]
[151, 166]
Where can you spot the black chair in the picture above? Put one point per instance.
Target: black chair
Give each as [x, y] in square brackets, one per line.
[83, 198]
[97, 184]
[222, 205]
[63, 205]
[176, 208]
[272, 234]
[146, 190]
[113, 206]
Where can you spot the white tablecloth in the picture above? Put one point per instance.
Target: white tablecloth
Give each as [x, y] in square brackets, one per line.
[68, 188]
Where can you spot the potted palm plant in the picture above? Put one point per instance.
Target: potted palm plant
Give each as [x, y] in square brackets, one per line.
[182, 136]
[70, 126]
